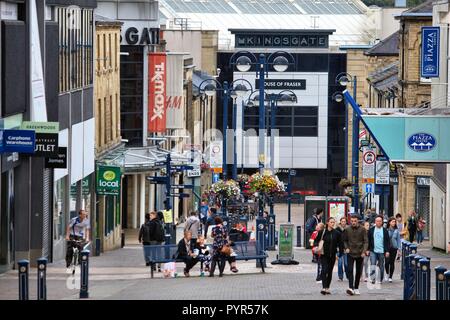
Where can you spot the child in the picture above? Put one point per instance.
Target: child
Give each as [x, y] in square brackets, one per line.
[169, 270]
[316, 257]
[204, 253]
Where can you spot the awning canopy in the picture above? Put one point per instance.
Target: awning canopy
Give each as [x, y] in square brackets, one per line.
[141, 159]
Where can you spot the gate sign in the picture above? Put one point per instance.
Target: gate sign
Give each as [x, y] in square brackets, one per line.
[429, 67]
[368, 166]
[421, 142]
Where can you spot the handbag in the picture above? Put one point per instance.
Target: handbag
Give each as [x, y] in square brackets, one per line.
[319, 249]
[226, 250]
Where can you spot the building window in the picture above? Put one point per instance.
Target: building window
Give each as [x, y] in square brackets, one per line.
[59, 209]
[75, 47]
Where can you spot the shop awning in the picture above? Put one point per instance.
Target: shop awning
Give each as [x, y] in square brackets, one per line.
[418, 135]
[141, 159]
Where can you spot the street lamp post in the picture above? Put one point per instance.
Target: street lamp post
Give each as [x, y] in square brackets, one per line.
[343, 79]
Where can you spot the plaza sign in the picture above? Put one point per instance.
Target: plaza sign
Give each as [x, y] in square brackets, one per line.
[429, 58]
[108, 180]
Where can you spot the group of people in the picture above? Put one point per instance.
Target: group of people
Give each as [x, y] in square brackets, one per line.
[192, 248]
[356, 247]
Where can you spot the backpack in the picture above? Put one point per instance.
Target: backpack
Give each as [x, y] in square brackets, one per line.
[311, 224]
[159, 232]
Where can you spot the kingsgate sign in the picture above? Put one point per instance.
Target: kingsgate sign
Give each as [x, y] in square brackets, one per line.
[157, 92]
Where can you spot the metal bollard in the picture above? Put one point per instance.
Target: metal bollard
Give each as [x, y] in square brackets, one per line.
[425, 279]
[299, 236]
[84, 287]
[261, 237]
[97, 247]
[440, 282]
[271, 233]
[122, 240]
[447, 285]
[405, 253]
[23, 279]
[418, 288]
[42, 279]
[409, 278]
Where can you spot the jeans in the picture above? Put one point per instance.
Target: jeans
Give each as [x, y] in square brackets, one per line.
[376, 259]
[319, 268]
[366, 266]
[342, 266]
[354, 281]
[419, 236]
[390, 262]
[327, 270]
[412, 234]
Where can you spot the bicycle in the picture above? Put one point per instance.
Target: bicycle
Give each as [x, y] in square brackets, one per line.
[76, 254]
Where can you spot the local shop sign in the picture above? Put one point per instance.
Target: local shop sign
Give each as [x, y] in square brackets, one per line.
[108, 180]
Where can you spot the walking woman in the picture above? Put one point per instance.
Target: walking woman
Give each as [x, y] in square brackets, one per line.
[366, 261]
[222, 249]
[332, 242]
[395, 245]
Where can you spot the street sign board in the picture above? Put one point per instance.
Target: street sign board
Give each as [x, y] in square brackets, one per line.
[108, 180]
[382, 172]
[194, 172]
[368, 165]
[186, 186]
[46, 137]
[215, 154]
[180, 195]
[292, 172]
[59, 162]
[370, 188]
[157, 180]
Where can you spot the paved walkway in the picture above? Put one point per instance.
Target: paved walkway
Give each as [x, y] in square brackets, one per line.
[122, 274]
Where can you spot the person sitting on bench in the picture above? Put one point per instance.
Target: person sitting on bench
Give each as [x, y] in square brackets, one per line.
[185, 252]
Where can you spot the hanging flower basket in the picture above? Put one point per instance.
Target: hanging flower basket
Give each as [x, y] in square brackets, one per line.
[204, 166]
[225, 189]
[266, 184]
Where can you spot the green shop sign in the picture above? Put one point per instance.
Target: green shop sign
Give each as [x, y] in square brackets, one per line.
[108, 180]
[85, 185]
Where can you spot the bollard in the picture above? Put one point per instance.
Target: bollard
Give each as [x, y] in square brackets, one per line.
[271, 233]
[122, 242]
[447, 285]
[84, 287]
[276, 237]
[413, 248]
[261, 237]
[23, 279]
[425, 279]
[299, 236]
[42, 279]
[418, 288]
[405, 253]
[409, 278]
[440, 282]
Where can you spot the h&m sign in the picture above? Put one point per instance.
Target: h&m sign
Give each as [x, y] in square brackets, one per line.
[280, 40]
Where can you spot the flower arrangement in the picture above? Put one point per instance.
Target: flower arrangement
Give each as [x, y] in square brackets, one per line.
[265, 183]
[226, 189]
[204, 166]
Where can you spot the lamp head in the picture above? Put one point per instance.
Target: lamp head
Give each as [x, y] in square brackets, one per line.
[280, 64]
[243, 63]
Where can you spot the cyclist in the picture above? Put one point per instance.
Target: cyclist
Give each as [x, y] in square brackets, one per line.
[77, 230]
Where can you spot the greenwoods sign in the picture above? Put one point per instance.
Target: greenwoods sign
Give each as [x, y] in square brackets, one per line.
[108, 180]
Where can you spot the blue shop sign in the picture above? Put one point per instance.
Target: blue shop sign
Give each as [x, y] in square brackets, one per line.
[421, 142]
[429, 67]
[21, 141]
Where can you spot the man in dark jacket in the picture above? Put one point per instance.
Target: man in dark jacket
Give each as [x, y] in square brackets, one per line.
[210, 220]
[151, 233]
[332, 242]
[412, 225]
[378, 247]
[355, 244]
[186, 252]
[144, 235]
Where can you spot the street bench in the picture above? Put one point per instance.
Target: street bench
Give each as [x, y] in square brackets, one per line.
[245, 250]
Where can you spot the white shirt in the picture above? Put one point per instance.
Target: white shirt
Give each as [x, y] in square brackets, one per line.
[78, 227]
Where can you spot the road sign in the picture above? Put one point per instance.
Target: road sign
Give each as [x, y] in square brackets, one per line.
[215, 154]
[180, 195]
[368, 165]
[382, 172]
[196, 172]
[215, 177]
[362, 134]
[370, 188]
[157, 180]
[185, 186]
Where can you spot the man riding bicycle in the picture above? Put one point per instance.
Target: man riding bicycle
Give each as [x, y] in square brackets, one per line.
[77, 234]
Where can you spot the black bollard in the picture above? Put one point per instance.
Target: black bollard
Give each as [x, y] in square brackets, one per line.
[23, 279]
[418, 288]
[409, 278]
[122, 242]
[261, 227]
[299, 236]
[271, 233]
[42, 279]
[440, 282]
[84, 287]
[405, 253]
[447, 285]
[425, 279]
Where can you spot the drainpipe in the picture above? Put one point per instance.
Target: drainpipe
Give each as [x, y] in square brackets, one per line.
[403, 66]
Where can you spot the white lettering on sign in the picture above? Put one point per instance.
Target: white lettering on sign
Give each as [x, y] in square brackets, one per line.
[113, 184]
[158, 80]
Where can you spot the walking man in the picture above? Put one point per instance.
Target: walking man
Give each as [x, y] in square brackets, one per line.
[378, 248]
[342, 262]
[412, 225]
[355, 245]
